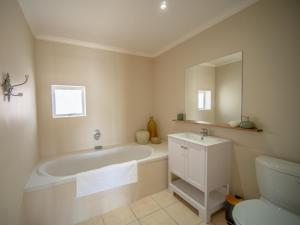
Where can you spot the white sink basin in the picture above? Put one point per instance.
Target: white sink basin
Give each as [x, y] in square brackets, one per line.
[198, 138]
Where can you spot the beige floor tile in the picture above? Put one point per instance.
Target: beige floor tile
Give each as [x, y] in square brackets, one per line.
[157, 218]
[219, 218]
[144, 207]
[183, 215]
[120, 216]
[94, 221]
[164, 198]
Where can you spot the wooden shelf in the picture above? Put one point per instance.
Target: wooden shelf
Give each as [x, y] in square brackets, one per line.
[220, 125]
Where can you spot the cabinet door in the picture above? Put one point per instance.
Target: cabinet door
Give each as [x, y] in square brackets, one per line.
[195, 166]
[176, 157]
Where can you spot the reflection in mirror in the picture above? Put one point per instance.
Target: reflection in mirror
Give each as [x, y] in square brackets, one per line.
[213, 90]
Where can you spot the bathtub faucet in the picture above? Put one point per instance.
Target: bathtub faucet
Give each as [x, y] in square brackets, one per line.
[97, 136]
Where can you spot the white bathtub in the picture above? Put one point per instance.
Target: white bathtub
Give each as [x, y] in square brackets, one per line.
[71, 165]
[64, 168]
[50, 193]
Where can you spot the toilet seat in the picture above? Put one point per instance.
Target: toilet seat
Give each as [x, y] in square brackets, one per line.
[260, 212]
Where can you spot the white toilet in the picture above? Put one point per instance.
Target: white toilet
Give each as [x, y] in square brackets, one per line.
[279, 186]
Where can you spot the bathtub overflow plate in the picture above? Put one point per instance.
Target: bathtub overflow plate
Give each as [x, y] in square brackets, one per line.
[97, 134]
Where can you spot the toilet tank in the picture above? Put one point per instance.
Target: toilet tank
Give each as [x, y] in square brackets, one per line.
[279, 182]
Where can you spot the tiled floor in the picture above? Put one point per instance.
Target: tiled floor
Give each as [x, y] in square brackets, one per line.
[159, 209]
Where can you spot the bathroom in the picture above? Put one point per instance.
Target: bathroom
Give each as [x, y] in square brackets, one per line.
[130, 61]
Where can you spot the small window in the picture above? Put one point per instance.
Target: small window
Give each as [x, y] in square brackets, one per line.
[68, 101]
[204, 100]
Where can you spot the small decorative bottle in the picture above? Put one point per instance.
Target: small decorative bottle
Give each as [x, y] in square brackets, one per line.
[152, 128]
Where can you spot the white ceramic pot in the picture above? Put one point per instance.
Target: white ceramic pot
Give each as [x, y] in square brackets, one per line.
[142, 137]
[234, 123]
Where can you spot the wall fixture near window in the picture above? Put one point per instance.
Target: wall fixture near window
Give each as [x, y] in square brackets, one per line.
[68, 101]
[8, 88]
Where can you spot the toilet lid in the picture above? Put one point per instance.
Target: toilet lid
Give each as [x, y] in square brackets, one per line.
[259, 212]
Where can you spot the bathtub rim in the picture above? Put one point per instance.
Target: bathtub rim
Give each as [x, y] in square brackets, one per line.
[42, 168]
[38, 182]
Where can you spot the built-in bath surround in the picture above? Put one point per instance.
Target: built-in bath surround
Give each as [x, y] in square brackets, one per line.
[51, 189]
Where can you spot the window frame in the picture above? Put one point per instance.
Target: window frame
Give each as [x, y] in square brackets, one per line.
[205, 92]
[68, 87]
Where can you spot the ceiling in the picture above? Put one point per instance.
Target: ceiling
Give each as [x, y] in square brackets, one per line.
[132, 26]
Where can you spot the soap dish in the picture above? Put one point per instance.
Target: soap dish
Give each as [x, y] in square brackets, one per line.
[155, 140]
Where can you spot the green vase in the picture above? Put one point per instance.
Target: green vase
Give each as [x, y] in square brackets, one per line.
[246, 123]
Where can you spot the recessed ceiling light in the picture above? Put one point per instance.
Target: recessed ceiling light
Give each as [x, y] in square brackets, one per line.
[163, 5]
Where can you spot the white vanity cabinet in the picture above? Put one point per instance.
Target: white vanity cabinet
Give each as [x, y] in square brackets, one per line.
[177, 157]
[200, 170]
[187, 161]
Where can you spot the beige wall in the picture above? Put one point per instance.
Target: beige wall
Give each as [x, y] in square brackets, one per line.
[18, 126]
[268, 33]
[118, 94]
[228, 92]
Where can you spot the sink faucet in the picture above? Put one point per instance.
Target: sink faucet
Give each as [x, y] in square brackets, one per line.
[204, 133]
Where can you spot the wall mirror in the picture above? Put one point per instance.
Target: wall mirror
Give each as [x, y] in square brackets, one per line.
[213, 90]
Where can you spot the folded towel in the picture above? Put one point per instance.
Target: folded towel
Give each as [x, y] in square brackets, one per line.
[106, 178]
[234, 123]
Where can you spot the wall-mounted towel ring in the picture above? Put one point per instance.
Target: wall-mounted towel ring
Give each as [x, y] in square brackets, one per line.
[8, 88]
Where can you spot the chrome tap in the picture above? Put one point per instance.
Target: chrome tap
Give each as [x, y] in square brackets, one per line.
[97, 136]
[204, 133]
